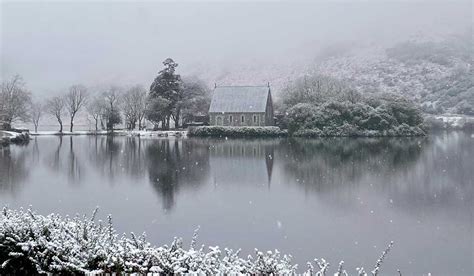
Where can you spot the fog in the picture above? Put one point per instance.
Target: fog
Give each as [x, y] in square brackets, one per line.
[53, 45]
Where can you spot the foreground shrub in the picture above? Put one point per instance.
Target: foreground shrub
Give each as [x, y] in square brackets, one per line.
[225, 131]
[31, 243]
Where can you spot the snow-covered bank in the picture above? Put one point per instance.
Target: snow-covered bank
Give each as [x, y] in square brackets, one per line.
[32, 243]
[7, 137]
[450, 121]
[143, 133]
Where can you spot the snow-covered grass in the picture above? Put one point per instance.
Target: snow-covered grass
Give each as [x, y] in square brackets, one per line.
[31, 243]
[9, 134]
[146, 133]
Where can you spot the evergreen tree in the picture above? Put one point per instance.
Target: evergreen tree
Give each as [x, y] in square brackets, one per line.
[167, 86]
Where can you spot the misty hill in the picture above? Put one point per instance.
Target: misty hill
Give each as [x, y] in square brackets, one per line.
[437, 74]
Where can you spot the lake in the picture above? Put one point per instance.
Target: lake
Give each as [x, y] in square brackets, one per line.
[337, 198]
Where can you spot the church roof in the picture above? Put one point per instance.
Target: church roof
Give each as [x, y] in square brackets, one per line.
[239, 99]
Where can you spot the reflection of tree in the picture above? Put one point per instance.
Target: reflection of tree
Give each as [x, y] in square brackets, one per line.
[55, 163]
[13, 169]
[411, 171]
[104, 153]
[36, 153]
[118, 156]
[66, 162]
[74, 165]
[445, 176]
[324, 164]
[172, 164]
[133, 157]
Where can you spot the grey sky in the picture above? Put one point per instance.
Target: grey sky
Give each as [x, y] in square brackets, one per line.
[53, 45]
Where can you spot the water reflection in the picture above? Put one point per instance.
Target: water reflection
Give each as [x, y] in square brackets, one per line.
[430, 173]
[334, 164]
[353, 194]
[74, 166]
[13, 169]
[175, 164]
[409, 169]
[331, 163]
[242, 162]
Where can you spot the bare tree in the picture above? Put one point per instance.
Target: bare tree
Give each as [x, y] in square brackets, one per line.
[134, 106]
[14, 101]
[142, 113]
[36, 113]
[316, 89]
[95, 108]
[55, 108]
[75, 99]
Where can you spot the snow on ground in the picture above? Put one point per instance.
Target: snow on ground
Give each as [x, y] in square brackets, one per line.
[144, 133]
[454, 120]
[9, 134]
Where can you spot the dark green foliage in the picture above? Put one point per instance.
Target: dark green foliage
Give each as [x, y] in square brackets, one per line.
[378, 115]
[157, 109]
[167, 87]
[221, 131]
[173, 98]
[196, 99]
[447, 79]
[167, 84]
[112, 117]
[322, 106]
[454, 94]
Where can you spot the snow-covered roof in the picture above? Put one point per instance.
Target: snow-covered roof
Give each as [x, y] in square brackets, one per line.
[239, 99]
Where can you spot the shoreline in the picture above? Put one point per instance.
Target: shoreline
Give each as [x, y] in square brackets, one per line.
[130, 133]
[10, 137]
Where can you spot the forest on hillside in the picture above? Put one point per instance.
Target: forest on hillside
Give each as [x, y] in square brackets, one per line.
[436, 73]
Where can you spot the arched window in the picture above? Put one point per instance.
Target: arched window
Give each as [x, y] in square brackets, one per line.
[255, 119]
[219, 120]
[242, 119]
[231, 120]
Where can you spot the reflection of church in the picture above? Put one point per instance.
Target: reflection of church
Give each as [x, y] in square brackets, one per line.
[189, 163]
[242, 162]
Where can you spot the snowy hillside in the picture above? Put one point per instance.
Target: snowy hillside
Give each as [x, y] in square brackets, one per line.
[435, 73]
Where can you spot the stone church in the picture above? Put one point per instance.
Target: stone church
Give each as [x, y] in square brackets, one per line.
[241, 106]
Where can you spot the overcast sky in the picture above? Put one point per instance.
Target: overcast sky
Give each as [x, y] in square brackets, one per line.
[53, 45]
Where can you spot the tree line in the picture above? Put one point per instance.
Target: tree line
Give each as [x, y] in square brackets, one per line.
[170, 98]
[318, 105]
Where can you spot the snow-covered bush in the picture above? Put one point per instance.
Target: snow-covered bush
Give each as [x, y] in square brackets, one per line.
[31, 243]
[377, 115]
[225, 131]
[7, 137]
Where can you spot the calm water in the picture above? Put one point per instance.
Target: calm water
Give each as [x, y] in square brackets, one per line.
[335, 198]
